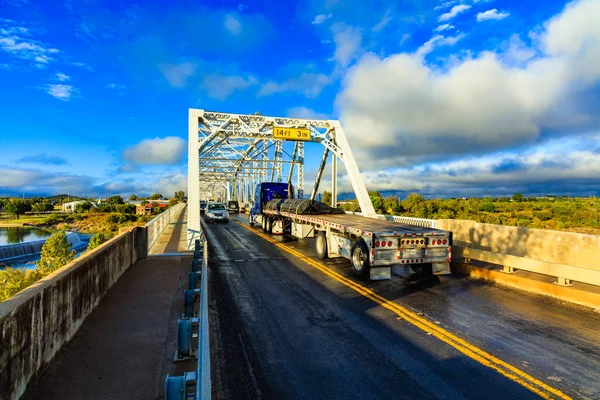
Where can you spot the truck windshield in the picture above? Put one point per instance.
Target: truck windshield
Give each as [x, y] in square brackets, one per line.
[216, 206]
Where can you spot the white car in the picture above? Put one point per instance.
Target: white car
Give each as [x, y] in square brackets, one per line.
[216, 212]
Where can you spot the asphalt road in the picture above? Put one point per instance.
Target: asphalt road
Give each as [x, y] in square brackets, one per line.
[284, 329]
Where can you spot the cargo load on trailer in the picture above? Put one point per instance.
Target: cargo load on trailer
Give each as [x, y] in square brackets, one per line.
[302, 207]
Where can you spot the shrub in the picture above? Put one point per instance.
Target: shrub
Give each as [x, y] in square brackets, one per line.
[56, 253]
[96, 240]
[487, 207]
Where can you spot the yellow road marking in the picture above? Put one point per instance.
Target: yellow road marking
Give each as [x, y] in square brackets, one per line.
[481, 356]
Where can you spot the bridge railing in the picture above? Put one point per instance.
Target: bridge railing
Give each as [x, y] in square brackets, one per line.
[194, 383]
[158, 224]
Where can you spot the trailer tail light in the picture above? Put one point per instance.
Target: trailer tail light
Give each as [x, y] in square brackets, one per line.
[383, 243]
[439, 241]
[377, 243]
[390, 243]
[444, 241]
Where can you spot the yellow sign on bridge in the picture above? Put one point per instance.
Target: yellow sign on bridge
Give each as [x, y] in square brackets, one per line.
[280, 132]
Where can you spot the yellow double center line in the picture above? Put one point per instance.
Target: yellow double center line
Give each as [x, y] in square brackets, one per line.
[484, 358]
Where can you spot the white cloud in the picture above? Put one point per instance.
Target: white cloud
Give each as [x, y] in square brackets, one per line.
[444, 5]
[478, 102]
[454, 11]
[443, 27]
[347, 44]
[309, 84]
[116, 86]
[221, 87]
[436, 41]
[161, 151]
[319, 19]
[62, 77]
[178, 74]
[61, 92]
[386, 19]
[305, 113]
[491, 14]
[233, 25]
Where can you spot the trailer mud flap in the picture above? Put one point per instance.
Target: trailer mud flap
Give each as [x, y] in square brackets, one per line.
[441, 268]
[380, 273]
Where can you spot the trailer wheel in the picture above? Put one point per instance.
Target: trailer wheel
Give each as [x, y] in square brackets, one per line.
[269, 225]
[321, 245]
[422, 270]
[263, 223]
[360, 259]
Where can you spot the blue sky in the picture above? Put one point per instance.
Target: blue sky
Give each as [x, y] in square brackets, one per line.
[450, 98]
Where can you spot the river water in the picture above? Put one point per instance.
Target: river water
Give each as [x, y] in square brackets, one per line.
[14, 235]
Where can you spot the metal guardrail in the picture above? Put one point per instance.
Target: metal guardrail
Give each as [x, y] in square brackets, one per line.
[422, 222]
[194, 384]
[158, 224]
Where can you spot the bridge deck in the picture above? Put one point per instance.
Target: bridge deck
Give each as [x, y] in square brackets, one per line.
[125, 348]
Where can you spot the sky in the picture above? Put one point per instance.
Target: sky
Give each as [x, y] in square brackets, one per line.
[445, 98]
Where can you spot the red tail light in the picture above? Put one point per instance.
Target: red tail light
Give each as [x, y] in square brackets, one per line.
[377, 244]
[444, 241]
[439, 241]
[412, 242]
[390, 244]
[383, 244]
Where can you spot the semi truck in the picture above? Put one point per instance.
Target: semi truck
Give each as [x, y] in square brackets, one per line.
[372, 245]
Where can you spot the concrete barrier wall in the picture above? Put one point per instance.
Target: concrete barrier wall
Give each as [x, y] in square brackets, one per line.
[574, 249]
[38, 321]
[160, 222]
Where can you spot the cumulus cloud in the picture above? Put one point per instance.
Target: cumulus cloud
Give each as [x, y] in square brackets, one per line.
[305, 113]
[319, 19]
[43, 158]
[163, 151]
[491, 14]
[61, 92]
[479, 102]
[221, 87]
[308, 84]
[178, 74]
[18, 181]
[347, 43]
[454, 11]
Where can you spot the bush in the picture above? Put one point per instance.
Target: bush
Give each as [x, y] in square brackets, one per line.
[56, 253]
[487, 207]
[53, 219]
[96, 241]
[119, 218]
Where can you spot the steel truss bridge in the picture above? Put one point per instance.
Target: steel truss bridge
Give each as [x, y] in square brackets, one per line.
[229, 154]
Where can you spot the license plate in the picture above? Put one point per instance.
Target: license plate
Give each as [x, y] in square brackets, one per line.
[412, 253]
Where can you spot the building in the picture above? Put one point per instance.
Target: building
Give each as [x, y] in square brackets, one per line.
[145, 208]
[70, 206]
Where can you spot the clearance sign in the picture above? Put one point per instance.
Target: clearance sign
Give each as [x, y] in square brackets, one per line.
[280, 132]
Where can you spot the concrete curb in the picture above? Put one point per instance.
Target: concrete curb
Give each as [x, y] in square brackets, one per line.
[570, 294]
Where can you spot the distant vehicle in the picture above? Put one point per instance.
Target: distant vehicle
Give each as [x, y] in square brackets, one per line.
[233, 207]
[202, 206]
[216, 212]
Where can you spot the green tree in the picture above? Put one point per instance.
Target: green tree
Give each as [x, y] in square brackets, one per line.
[13, 280]
[83, 207]
[17, 207]
[114, 200]
[518, 197]
[125, 208]
[377, 200]
[179, 196]
[96, 241]
[156, 196]
[133, 197]
[326, 197]
[56, 253]
[487, 206]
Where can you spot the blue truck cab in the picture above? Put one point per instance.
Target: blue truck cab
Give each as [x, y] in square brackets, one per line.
[266, 192]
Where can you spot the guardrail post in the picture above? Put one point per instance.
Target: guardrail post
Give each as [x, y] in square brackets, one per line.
[563, 282]
[507, 269]
[189, 300]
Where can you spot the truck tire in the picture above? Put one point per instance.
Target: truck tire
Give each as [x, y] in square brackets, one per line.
[321, 245]
[269, 225]
[422, 270]
[263, 223]
[359, 258]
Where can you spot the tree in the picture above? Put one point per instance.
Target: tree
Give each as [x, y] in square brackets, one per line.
[17, 207]
[13, 280]
[133, 197]
[125, 208]
[83, 207]
[179, 196]
[518, 197]
[377, 200]
[96, 241]
[156, 196]
[327, 198]
[56, 253]
[114, 200]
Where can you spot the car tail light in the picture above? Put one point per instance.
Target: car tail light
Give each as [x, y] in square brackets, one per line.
[377, 243]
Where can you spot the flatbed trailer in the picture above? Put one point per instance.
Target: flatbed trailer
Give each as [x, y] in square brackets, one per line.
[372, 245]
